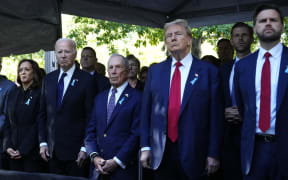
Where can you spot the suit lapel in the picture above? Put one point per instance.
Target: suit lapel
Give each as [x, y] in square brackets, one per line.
[165, 78]
[227, 80]
[283, 77]
[191, 82]
[251, 81]
[54, 87]
[123, 99]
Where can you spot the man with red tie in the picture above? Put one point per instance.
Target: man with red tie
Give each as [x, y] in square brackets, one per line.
[181, 118]
[260, 83]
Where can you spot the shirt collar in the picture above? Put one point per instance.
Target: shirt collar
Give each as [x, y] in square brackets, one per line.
[275, 51]
[69, 72]
[237, 59]
[185, 61]
[121, 88]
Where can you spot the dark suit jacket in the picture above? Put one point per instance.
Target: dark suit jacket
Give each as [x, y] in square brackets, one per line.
[5, 87]
[244, 82]
[225, 71]
[102, 82]
[21, 129]
[64, 129]
[120, 137]
[200, 121]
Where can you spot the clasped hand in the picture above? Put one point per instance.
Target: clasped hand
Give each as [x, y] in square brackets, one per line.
[104, 166]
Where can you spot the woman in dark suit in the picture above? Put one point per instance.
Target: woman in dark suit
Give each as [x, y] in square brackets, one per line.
[21, 130]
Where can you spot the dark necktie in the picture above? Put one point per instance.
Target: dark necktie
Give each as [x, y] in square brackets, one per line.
[233, 99]
[264, 117]
[111, 104]
[174, 104]
[60, 89]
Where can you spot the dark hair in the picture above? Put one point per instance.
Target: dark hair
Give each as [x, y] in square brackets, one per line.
[244, 25]
[224, 40]
[90, 49]
[267, 7]
[37, 78]
[212, 59]
[134, 59]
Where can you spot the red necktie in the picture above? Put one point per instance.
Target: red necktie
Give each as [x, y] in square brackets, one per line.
[174, 104]
[264, 117]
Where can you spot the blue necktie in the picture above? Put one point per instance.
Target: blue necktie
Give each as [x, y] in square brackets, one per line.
[60, 89]
[111, 104]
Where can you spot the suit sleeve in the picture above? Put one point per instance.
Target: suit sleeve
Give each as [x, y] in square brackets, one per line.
[42, 117]
[216, 115]
[91, 132]
[146, 112]
[130, 147]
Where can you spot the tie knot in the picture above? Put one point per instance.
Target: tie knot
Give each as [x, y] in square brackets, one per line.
[63, 75]
[114, 90]
[178, 64]
[267, 55]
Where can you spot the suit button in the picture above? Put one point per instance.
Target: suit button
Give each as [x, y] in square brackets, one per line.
[105, 135]
[102, 150]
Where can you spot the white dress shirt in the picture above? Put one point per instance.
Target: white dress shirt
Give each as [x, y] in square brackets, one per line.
[120, 90]
[67, 78]
[184, 71]
[275, 60]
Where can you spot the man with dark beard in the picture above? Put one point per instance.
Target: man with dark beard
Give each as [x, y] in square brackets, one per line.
[260, 83]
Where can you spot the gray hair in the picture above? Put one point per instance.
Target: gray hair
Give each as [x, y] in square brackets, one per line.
[124, 60]
[70, 40]
[180, 22]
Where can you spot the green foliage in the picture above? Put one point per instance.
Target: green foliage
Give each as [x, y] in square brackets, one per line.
[106, 33]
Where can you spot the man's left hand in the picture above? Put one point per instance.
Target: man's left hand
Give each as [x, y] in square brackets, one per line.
[212, 165]
[81, 158]
[110, 165]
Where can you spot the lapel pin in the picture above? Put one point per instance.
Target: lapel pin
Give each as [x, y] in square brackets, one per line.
[73, 82]
[195, 79]
[286, 70]
[28, 101]
[127, 95]
[121, 100]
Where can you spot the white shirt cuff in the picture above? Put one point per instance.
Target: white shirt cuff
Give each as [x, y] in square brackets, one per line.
[83, 149]
[119, 162]
[43, 144]
[145, 149]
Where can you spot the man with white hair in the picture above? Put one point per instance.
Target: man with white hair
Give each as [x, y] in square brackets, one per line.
[66, 104]
[112, 138]
[181, 118]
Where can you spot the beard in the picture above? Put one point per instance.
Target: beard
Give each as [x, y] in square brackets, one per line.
[274, 37]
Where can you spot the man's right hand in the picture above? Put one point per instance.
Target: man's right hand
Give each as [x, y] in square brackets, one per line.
[44, 152]
[146, 159]
[14, 154]
[99, 163]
